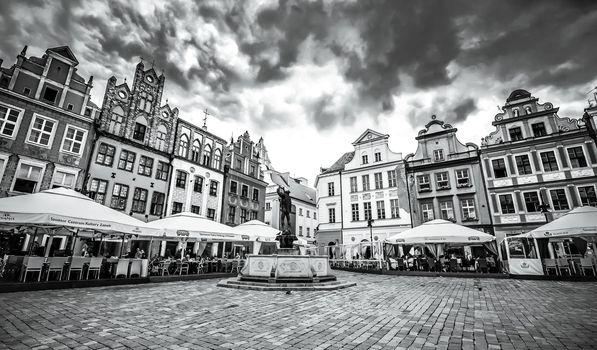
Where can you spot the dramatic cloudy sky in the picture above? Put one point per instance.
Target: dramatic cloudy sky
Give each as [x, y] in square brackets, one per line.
[311, 76]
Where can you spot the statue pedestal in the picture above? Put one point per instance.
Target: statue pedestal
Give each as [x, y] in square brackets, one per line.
[288, 251]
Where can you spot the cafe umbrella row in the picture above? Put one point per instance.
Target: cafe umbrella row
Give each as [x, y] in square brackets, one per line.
[64, 223]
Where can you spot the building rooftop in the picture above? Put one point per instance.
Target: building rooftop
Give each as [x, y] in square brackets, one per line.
[339, 164]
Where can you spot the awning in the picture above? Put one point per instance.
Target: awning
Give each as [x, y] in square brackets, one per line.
[194, 227]
[579, 222]
[257, 230]
[440, 231]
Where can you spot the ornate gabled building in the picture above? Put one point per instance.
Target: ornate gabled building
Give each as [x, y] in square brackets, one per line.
[130, 165]
[244, 189]
[198, 172]
[445, 179]
[46, 123]
[535, 158]
[367, 183]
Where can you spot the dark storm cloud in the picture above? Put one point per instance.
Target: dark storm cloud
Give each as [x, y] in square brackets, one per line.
[463, 109]
[449, 111]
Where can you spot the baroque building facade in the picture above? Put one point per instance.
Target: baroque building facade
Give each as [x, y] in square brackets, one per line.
[198, 175]
[46, 123]
[537, 165]
[367, 183]
[244, 189]
[445, 179]
[130, 165]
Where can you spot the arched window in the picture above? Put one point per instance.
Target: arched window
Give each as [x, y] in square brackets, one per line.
[116, 120]
[196, 151]
[207, 155]
[149, 103]
[140, 129]
[183, 147]
[145, 101]
[160, 138]
[515, 112]
[217, 159]
[528, 109]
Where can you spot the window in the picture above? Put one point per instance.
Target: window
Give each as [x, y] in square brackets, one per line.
[314, 215]
[139, 200]
[176, 207]
[462, 178]
[233, 187]
[446, 210]
[139, 132]
[468, 209]
[424, 183]
[367, 210]
[243, 215]
[196, 151]
[255, 194]
[162, 171]
[50, 95]
[366, 186]
[231, 214]
[427, 212]
[63, 179]
[577, 157]
[239, 164]
[308, 214]
[353, 184]
[211, 214]
[268, 206]
[538, 129]
[116, 120]
[207, 156]
[183, 146]
[253, 215]
[332, 215]
[27, 91]
[213, 188]
[160, 138]
[523, 164]
[88, 112]
[181, 179]
[105, 154]
[244, 191]
[499, 168]
[378, 181]
[587, 196]
[507, 204]
[97, 190]
[515, 112]
[531, 201]
[195, 209]
[73, 140]
[377, 156]
[27, 178]
[381, 210]
[145, 166]
[157, 204]
[308, 232]
[9, 120]
[442, 181]
[301, 231]
[438, 155]
[145, 101]
[42, 131]
[252, 171]
[70, 106]
[127, 160]
[330, 189]
[528, 110]
[559, 200]
[395, 210]
[391, 178]
[365, 159]
[218, 160]
[515, 134]
[120, 193]
[355, 211]
[300, 211]
[549, 161]
[198, 184]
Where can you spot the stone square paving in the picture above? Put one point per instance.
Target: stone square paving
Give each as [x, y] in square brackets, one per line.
[381, 312]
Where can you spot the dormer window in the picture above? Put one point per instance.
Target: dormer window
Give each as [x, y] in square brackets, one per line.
[438, 155]
[515, 112]
[378, 156]
[528, 110]
[365, 159]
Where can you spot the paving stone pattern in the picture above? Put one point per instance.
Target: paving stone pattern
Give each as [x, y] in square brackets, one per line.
[381, 312]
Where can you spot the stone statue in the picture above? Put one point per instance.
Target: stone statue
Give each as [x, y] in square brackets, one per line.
[285, 207]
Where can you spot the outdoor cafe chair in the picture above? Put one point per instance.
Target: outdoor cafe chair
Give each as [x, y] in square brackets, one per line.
[587, 264]
[122, 268]
[163, 267]
[32, 264]
[95, 265]
[453, 265]
[135, 268]
[56, 265]
[563, 264]
[482, 265]
[400, 264]
[550, 264]
[76, 265]
[182, 266]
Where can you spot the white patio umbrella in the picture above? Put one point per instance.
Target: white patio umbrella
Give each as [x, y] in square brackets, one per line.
[62, 207]
[440, 231]
[578, 222]
[256, 229]
[195, 226]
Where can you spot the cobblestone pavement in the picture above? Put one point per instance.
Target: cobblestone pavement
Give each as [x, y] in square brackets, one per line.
[381, 312]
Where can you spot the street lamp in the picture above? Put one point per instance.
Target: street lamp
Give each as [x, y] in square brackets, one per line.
[370, 224]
